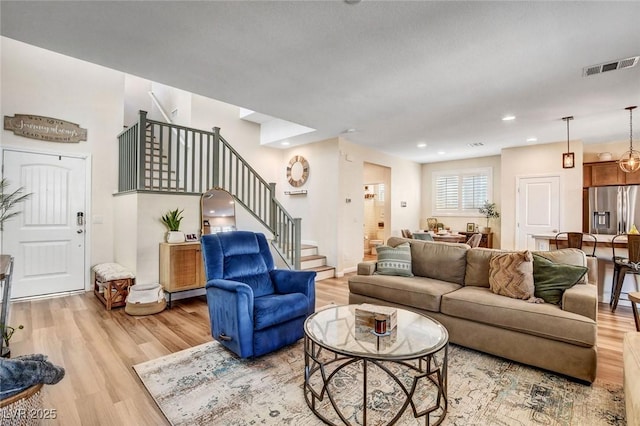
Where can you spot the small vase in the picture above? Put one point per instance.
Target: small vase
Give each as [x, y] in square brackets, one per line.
[174, 237]
[6, 352]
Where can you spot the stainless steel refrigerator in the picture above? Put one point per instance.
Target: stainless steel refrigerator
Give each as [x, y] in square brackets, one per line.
[613, 209]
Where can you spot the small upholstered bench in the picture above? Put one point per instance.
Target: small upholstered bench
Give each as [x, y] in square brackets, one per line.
[111, 284]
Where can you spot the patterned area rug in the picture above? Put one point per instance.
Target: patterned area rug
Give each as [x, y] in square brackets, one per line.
[208, 385]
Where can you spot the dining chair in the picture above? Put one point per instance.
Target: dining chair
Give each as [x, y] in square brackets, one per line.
[406, 233]
[624, 265]
[474, 240]
[575, 240]
[424, 236]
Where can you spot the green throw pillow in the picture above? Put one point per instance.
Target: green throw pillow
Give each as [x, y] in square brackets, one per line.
[552, 279]
[394, 260]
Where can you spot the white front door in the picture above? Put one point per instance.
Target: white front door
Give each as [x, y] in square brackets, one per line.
[47, 238]
[538, 209]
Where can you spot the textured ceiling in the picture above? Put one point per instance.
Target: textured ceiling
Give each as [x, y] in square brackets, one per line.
[399, 73]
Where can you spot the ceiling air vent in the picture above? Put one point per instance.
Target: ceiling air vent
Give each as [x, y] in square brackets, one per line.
[475, 144]
[610, 66]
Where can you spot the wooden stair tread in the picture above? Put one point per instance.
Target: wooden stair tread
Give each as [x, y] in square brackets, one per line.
[312, 257]
[319, 268]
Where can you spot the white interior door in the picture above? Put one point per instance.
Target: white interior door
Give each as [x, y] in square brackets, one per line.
[538, 208]
[47, 238]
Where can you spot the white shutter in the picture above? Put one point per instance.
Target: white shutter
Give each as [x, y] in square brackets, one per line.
[461, 192]
[474, 191]
[447, 193]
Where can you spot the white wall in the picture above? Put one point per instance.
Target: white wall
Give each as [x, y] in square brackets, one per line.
[616, 149]
[459, 223]
[37, 81]
[405, 185]
[539, 160]
[319, 207]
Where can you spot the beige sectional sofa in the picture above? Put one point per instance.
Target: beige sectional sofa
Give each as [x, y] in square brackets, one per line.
[451, 285]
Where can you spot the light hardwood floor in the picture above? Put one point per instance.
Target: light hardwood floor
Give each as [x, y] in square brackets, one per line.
[99, 348]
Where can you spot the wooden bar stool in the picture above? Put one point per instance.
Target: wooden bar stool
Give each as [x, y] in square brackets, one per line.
[624, 265]
[635, 298]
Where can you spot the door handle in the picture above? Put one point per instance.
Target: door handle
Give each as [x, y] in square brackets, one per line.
[79, 231]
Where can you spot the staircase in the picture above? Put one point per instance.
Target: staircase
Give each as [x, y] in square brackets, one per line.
[166, 158]
[310, 260]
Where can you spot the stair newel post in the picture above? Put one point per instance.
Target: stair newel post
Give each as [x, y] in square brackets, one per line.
[140, 148]
[216, 157]
[297, 242]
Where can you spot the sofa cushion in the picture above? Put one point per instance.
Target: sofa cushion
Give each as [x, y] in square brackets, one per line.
[440, 261]
[511, 275]
[477, 272]
[541, 319]
[416, 292]
[552, 279]
[394, 260]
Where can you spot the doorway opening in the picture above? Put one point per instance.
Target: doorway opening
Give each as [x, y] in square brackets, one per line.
[377, 209]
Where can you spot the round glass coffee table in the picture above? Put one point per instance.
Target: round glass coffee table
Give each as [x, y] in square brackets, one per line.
[353, 374]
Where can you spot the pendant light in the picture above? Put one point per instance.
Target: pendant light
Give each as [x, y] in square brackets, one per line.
[630, 160]
[568, 158]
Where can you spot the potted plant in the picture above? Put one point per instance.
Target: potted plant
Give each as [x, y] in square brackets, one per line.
[7, 333]
[172, 220]
[489, 211]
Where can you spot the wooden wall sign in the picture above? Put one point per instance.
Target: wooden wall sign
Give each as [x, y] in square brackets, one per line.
[44, 128]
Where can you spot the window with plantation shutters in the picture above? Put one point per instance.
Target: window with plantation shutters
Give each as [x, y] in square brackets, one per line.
[461, 192]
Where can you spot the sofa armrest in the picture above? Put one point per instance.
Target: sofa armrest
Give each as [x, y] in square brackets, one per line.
[581, 299]
[367, 268]
[592, 273]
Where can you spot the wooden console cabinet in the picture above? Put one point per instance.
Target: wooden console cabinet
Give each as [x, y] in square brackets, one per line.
[181, 266]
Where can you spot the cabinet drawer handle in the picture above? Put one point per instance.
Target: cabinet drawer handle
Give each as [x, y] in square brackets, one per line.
[224, 337]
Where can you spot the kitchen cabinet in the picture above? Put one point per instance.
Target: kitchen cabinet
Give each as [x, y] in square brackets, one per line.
[607, 173]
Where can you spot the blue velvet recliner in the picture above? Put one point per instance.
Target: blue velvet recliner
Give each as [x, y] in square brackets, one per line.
[254, 308]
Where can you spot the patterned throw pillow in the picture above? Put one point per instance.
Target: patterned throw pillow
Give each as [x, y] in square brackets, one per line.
[511, 275]
[394, 260]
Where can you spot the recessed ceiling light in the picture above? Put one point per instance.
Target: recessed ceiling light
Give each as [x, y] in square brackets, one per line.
[532, 139]
[422, 145]
[508, 117]
[441, 152]
[285, 143]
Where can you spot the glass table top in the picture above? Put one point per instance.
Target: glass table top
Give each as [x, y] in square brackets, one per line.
[415, 335]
